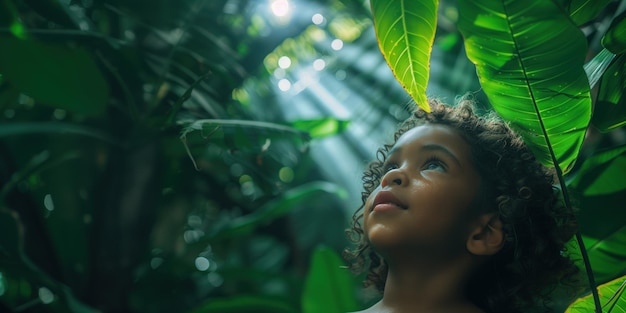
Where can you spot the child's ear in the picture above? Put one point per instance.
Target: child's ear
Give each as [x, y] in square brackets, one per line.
[486, 237]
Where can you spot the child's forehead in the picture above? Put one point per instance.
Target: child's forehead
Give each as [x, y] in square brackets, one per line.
[432, 133]
[433, 137]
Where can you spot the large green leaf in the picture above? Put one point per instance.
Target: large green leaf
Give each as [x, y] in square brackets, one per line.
[329, 286]
[600, 180]
[607, 255]
[276, 208]
[529, 57]
[251, 136]
[56, 75]
[37, 164]
[610, 107]
[60, 128]
[14, 260]
[602, 173]
[604, 235]
[406, 31]
[583, 11]
[615, 37]
[611, 296]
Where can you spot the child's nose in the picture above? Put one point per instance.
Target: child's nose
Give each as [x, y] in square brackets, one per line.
[394, 177]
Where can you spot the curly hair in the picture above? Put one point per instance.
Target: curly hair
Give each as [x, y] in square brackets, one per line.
[518, 189]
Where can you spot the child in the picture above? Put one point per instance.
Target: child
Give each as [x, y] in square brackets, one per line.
[458, 216]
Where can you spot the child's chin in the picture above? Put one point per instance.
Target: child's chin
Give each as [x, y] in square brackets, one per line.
[381, 236]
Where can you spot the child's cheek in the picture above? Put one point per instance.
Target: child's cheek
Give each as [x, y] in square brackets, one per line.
[370, 200]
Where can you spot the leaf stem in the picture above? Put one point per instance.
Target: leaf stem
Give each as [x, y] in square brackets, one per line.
[616, 296]
[581, 244]
[592, 281]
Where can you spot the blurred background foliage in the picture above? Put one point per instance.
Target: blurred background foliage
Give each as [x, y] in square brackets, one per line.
[198, 156]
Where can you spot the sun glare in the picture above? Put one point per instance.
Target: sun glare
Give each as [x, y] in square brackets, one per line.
[280, 8]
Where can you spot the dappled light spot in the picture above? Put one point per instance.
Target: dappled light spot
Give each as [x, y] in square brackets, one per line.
[316, 34]
[202, 263]
[241, 95]
[59, 114]
[284, 62]
[156, 262]
[317, 19]
[2, 284]
[236, 169]
[340, 75]
[247, 188]
[215, 279]
[130, 35]
[336, 44]
[319, 64]
[194, 221]
[279, 73]
[285, 174]
[244, 178]
[9, 113]
[284, 84]
[48, 203]
[45, 295]
[191, 236]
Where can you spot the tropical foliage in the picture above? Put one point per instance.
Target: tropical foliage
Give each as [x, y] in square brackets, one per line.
[530, 59]
[138, 172]
[151, 159]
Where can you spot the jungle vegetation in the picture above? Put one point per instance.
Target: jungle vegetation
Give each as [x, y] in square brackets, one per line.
[205, 155]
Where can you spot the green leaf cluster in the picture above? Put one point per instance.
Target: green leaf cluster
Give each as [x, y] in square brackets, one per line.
[135, 176]
[531, 58]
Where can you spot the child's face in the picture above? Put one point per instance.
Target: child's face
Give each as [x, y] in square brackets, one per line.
[424, 200]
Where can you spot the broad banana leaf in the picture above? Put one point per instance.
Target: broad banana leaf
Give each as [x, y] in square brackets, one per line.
[529, 57]
[615, 38]
[57, 75]
[600, 181]
[611, 296]
[14, 260]
[406, 30]
[606, 254]
[601, 173]
[583, 11]
[610, 109]
[328, 286]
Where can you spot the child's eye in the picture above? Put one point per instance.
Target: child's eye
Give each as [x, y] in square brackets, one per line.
[434, 164]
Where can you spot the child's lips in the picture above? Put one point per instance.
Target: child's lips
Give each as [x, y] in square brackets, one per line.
[385, 200]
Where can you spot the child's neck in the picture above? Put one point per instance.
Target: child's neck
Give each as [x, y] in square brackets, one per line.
[428, 287]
